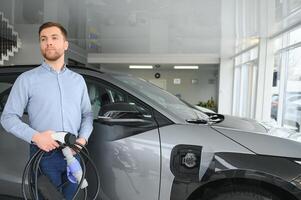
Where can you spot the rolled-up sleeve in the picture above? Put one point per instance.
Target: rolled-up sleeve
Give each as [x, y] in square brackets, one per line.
[86, 126]
[14, 109]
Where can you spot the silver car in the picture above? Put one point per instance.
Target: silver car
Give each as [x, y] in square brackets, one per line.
[148, 144]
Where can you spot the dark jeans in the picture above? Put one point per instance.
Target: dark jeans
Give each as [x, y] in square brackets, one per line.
[54, 167]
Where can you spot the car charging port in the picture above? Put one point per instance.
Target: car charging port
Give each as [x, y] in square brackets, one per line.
[185, 162]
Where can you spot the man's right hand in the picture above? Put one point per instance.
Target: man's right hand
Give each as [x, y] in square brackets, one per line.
[44, 141]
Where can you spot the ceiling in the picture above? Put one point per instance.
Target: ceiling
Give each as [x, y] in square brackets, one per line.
[156, 67]
[155, 26]
[125, 28]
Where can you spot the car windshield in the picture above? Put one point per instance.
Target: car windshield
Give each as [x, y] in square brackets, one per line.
[168, 101]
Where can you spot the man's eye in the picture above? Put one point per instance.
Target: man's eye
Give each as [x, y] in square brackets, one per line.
[43, 39]
[54, 38]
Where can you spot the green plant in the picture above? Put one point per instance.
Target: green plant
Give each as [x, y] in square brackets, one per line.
[210, 104]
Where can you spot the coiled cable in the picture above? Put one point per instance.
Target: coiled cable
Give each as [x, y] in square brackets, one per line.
[32, 171]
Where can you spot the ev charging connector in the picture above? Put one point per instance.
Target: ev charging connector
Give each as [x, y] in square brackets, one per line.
[64, 138]
[74, 169]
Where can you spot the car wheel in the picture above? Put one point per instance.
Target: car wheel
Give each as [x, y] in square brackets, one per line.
[239, 192]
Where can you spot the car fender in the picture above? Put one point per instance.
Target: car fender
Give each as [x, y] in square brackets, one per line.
[278, 171]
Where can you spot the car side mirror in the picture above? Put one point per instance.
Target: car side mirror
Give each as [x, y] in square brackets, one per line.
[124, 114]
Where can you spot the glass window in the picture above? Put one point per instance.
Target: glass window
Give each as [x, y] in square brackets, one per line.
[295, 36]
[237, 86]
[286, 85]
[159, 96]
[275, 87]
[277, 44]
[292, 103]
[254, 53]
[246, 57]
[104, 99]
[101, 94]
[238, 60]
[245, 90]
[253, 88]
[245, 83]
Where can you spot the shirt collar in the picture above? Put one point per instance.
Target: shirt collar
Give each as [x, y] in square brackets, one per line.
[49, 68]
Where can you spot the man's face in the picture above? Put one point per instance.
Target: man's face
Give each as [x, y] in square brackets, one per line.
[52, 43]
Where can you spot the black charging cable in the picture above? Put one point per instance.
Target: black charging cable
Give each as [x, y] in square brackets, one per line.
[32, 172]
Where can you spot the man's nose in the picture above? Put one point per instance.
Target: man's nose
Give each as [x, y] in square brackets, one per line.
[49, 42]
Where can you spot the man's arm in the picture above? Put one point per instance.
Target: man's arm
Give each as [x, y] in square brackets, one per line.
[86, 126]
[14, 109]
[12, 113]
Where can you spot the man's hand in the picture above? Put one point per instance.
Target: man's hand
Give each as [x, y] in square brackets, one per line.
[44, 141]
[81, 141]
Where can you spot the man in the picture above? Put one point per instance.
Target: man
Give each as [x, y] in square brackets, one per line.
[56, 99]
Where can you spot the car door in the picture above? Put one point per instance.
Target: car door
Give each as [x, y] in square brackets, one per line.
[128, 158]
[14, 152]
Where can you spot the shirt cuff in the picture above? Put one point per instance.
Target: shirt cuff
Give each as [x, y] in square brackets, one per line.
[29, 134]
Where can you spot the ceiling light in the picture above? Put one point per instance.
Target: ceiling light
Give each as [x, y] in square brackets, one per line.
[186, 67]
[141, 67]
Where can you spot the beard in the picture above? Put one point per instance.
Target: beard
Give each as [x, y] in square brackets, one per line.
[52, 55]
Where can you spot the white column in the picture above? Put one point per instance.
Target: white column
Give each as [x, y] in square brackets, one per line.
[265, 62]
[227, 51]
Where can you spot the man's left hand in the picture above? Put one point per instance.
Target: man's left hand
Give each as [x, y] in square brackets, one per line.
[81, 141]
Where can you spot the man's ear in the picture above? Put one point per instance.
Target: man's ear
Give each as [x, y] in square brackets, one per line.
[66, 45]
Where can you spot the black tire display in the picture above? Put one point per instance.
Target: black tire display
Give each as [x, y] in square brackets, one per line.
[240, 192]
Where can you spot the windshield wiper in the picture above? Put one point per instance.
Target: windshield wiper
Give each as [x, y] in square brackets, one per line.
[197, 121]
[215, 118]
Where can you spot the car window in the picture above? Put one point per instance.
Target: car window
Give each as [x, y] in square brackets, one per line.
[159, 96]
[104, 93]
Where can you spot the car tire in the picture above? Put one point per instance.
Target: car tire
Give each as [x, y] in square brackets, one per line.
[239, 192]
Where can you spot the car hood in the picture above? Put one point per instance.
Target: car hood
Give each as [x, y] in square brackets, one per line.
[249, 134]
[239, 123]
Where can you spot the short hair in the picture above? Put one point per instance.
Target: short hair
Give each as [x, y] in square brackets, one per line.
[53, 24]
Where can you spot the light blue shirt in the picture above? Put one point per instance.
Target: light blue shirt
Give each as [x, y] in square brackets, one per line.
[57, 101]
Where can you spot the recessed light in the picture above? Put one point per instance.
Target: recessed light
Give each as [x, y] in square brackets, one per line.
[186, 67]
[141, 67]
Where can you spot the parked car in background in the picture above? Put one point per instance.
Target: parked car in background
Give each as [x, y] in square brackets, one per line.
[274, 106]
[291, 110]
[147, 144]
